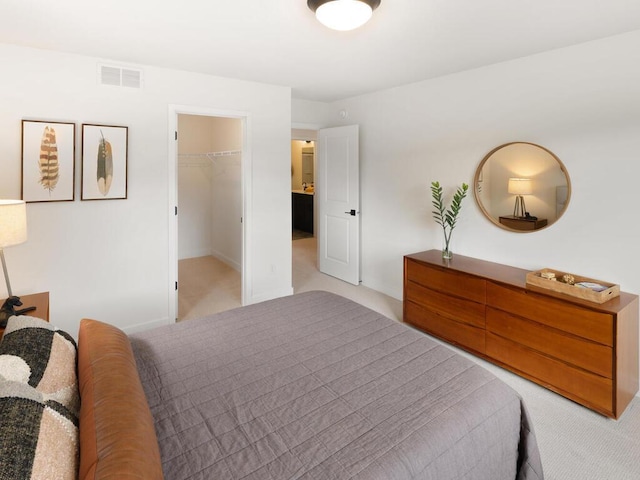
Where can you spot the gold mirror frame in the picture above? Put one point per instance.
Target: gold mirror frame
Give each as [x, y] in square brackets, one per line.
[530, 164]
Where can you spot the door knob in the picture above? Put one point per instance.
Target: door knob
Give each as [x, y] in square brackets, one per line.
[352, 213]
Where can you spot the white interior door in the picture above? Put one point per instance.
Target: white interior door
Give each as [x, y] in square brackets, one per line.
[338, 197]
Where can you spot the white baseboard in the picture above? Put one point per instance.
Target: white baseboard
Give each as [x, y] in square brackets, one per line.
[224, 259]
[140, 327]
[381, 286]
[201, 252]
[284, 292]
[211, 253]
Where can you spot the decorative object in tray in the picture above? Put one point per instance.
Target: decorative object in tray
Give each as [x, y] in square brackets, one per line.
[578, 286]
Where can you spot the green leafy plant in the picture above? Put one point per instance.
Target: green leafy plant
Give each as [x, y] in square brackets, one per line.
[444, 217]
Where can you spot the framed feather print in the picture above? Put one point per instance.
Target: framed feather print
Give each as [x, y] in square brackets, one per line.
[48, 161]
[104, 162]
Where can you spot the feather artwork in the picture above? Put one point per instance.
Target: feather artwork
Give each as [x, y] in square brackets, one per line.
[105, 165]
[49, 166]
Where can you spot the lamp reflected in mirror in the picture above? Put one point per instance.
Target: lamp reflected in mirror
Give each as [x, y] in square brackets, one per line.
[522, 168]
[519, 187]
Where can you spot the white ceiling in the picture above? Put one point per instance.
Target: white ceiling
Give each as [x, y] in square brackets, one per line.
[280, 42]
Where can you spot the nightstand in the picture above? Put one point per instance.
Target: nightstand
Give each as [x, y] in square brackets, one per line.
[38, 300]
[523, 223]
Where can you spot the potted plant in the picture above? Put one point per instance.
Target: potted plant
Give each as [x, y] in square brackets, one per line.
[447, 218]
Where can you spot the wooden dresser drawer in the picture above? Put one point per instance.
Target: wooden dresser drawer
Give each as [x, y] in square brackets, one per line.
[586, 352]
[450, 281]
[457, 309]
[575, 383]
[575, 319]
[577, 351]
[457, 333]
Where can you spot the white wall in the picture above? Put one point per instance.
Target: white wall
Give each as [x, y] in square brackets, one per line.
[310, 115]
[195, 210]
[194, 186]
[226, 188]
[109, 259]
[580, 102]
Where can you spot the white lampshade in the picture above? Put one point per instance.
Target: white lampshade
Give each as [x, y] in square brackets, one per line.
[13, 222]
[520, 186]
[343, 14]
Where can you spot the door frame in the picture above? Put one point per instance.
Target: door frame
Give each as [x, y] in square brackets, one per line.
[313, 137]
[246, 168]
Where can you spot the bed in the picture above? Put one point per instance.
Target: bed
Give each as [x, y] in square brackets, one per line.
[312, 386]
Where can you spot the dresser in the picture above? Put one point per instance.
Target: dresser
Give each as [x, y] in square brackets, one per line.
[584, 351]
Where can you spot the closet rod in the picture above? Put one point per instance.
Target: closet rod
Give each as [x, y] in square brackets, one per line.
[222, 153]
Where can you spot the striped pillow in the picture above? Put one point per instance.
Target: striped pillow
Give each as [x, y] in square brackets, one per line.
[39, 402]
[38, 437]
[33, 351]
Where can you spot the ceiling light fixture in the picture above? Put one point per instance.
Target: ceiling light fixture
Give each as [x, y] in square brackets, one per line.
[343, 14]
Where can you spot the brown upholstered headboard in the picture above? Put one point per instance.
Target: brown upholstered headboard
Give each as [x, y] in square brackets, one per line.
[117, 436]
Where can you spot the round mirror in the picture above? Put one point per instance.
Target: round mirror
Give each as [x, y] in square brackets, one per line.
[522, 187]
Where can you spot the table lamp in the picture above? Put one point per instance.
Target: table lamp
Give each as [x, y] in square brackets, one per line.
[519, 187]
[13, 230]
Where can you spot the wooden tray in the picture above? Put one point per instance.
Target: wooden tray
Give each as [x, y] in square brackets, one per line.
[612, 290]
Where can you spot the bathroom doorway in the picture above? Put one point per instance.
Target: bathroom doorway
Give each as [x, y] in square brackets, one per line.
[302, 189]
[303, 205]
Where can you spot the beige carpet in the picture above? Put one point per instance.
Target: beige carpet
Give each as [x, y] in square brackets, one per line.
[207, 286]
[575, 443]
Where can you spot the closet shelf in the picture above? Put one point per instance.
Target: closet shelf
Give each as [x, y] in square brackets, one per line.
[205, 159]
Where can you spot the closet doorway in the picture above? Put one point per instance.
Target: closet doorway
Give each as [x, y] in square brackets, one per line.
[210, 211]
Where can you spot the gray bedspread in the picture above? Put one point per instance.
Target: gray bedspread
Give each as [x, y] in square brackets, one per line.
[315, 386]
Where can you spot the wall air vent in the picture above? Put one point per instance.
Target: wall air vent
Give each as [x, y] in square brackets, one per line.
[119, 76]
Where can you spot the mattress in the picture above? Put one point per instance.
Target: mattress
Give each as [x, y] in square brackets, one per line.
[315, 386]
